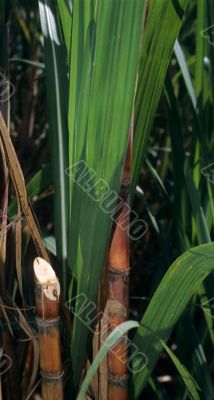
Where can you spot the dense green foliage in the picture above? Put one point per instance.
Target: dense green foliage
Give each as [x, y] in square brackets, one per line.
[81, 69]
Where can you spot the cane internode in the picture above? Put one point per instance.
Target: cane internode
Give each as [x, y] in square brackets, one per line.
[47, 293]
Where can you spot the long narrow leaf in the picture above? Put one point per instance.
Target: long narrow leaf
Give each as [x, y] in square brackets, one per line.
[187, 378]
[169, 301]
[57, 92]
[162, 27]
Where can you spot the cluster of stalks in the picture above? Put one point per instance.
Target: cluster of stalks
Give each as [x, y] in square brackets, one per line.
[47, 293]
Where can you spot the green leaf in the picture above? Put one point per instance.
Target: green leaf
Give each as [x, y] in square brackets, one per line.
[185, 72]
[111, 340]
[105, 50]
[198, 212]
[197, 357]
[191, 91]
[181, 208]
[199, 66]
[65, 12]
[157, 177]
[57, 93]
[187, 378]
[161, 30]
[169, 301]
[203, 236]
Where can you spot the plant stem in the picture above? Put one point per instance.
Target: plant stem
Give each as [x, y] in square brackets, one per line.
[47, 293]
[119, 288]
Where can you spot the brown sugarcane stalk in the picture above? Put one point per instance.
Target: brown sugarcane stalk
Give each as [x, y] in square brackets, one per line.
[47, 292]
[119, 288]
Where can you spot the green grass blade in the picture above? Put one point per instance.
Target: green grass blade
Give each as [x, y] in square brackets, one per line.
[199, 66]
[187, 378]
[198, 212]
[185, 72]
[169, 301]
[197, 357]
[57, 88]
[181, 207]
[65, 12]
[191, 91]
[157, 177]
[162, 27]
[203, 236]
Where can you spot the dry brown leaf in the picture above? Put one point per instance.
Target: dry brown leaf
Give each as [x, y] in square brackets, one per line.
[18, 246]
[19, 184]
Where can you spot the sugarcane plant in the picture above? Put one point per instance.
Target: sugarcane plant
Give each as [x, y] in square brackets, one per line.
[105, 64]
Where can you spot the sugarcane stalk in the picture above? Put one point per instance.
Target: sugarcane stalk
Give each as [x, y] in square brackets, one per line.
[119, 288]
[47, 292]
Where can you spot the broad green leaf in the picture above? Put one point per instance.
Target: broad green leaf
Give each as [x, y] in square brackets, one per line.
[203, 236]
[184, 187]
[105, 49]
[169, 301]
[57, 93]
[161, 30]
[111, 340]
